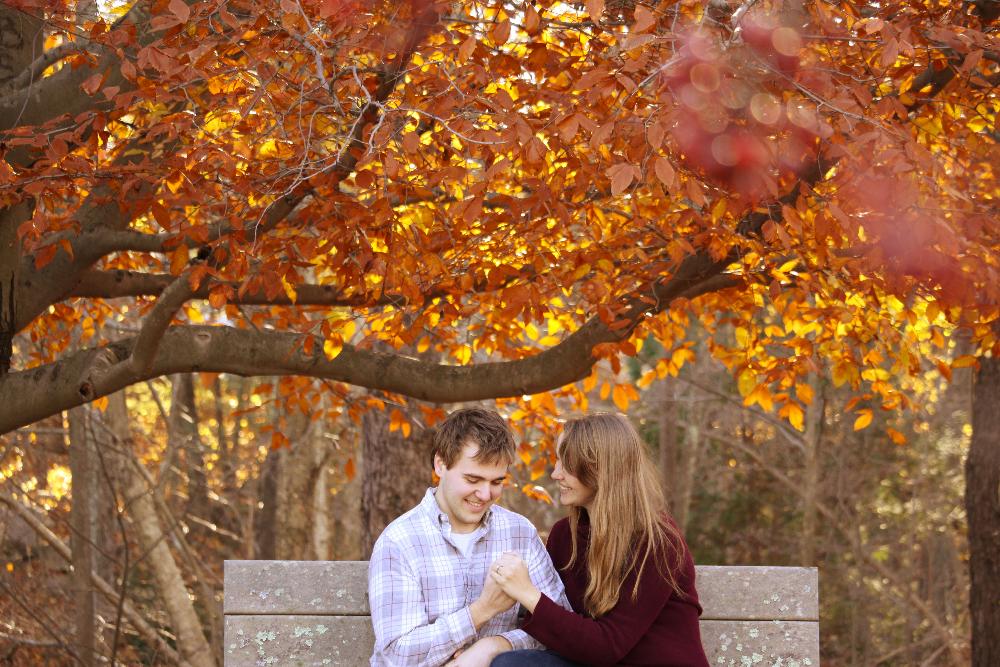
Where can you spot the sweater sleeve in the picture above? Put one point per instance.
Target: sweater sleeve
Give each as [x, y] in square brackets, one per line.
[608, 639]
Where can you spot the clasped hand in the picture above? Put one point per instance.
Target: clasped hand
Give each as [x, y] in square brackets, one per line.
[511, 573]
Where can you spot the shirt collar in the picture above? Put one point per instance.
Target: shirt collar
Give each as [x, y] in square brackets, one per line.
[439, 518]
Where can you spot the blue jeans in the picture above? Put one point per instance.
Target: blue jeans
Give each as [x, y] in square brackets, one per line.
[531, 658]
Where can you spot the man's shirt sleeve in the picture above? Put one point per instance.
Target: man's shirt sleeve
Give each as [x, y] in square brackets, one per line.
[546, 579]
[404, 637]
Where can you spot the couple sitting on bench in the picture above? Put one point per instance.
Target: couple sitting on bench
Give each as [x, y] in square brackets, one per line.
[614, 586]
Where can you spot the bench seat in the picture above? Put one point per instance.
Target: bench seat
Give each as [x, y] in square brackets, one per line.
[315, 613]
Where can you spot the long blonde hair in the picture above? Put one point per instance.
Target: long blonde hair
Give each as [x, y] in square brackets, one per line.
[628, 520]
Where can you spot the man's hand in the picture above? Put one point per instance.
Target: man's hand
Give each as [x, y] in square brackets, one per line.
[511, 573]
[492, 601]
[481, 653]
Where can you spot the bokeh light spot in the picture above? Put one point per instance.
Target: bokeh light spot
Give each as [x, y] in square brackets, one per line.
[786, 41]
[705, 77]
[765, 108]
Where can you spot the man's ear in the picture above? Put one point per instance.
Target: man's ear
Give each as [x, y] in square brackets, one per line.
[439, 466]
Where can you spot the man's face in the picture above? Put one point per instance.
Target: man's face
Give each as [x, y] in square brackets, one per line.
[468, 488]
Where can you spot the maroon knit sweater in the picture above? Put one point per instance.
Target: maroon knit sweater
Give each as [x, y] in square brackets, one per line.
[658, 628]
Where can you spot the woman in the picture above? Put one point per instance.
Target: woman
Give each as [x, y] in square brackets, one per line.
[628, 572]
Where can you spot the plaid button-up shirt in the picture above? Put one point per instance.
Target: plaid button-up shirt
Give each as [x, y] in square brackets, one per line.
[420, 585]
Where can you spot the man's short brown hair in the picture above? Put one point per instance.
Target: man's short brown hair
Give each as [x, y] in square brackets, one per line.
[476, 426]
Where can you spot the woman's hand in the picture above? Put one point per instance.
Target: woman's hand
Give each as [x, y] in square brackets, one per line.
[511, 573]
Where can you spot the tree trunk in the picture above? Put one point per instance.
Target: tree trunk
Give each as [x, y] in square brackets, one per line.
[142, 512]
[20, 42]
[265, 509]
[184, 427]
[385, 491]
[285, 525]
[687, 465]
[810, 481]
[83, 534]
[345, 505]
[291, 529]
[322, 522]
[669, 437]
[982, 505]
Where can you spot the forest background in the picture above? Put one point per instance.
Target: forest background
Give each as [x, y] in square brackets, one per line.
[250, 254]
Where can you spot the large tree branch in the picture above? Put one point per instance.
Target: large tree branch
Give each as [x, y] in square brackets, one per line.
[91, 374]
[34, 71]
[156, 322]
[118, 283]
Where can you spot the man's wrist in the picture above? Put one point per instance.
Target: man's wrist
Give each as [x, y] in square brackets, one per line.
[480, 613]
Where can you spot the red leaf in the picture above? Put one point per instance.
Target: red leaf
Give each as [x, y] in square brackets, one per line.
[644, 20]
[92, 83]
[531, 20]
[466, 49]
[664, 171]
[162, 215]
[180, 9]
[621, 176]
[328, 8]
[501, 32]
[595, 8]
[217, 299]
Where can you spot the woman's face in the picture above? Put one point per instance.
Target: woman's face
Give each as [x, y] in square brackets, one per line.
[572, 492]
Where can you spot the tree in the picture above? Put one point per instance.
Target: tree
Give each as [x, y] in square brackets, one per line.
[982, 478]
[525, 188]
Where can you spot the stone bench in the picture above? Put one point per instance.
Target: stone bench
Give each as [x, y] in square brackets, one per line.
[306, 613]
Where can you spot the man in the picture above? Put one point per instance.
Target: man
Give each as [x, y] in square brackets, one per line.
[427, 579]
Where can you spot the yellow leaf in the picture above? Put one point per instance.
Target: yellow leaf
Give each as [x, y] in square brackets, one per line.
[795, 416]
[463, 354]
[289, 290]
[933, 310]
[863, 420]
[620, 397]
[788, 266]
[590, 382]
[764, 398]
[746, 382]
[605, 391]
[841, 374]
[804, 392]
[896, 436]
[742, 337]
[525, 456]
[719, 209]
[423, 344]
[333, 346]
[964, 361]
